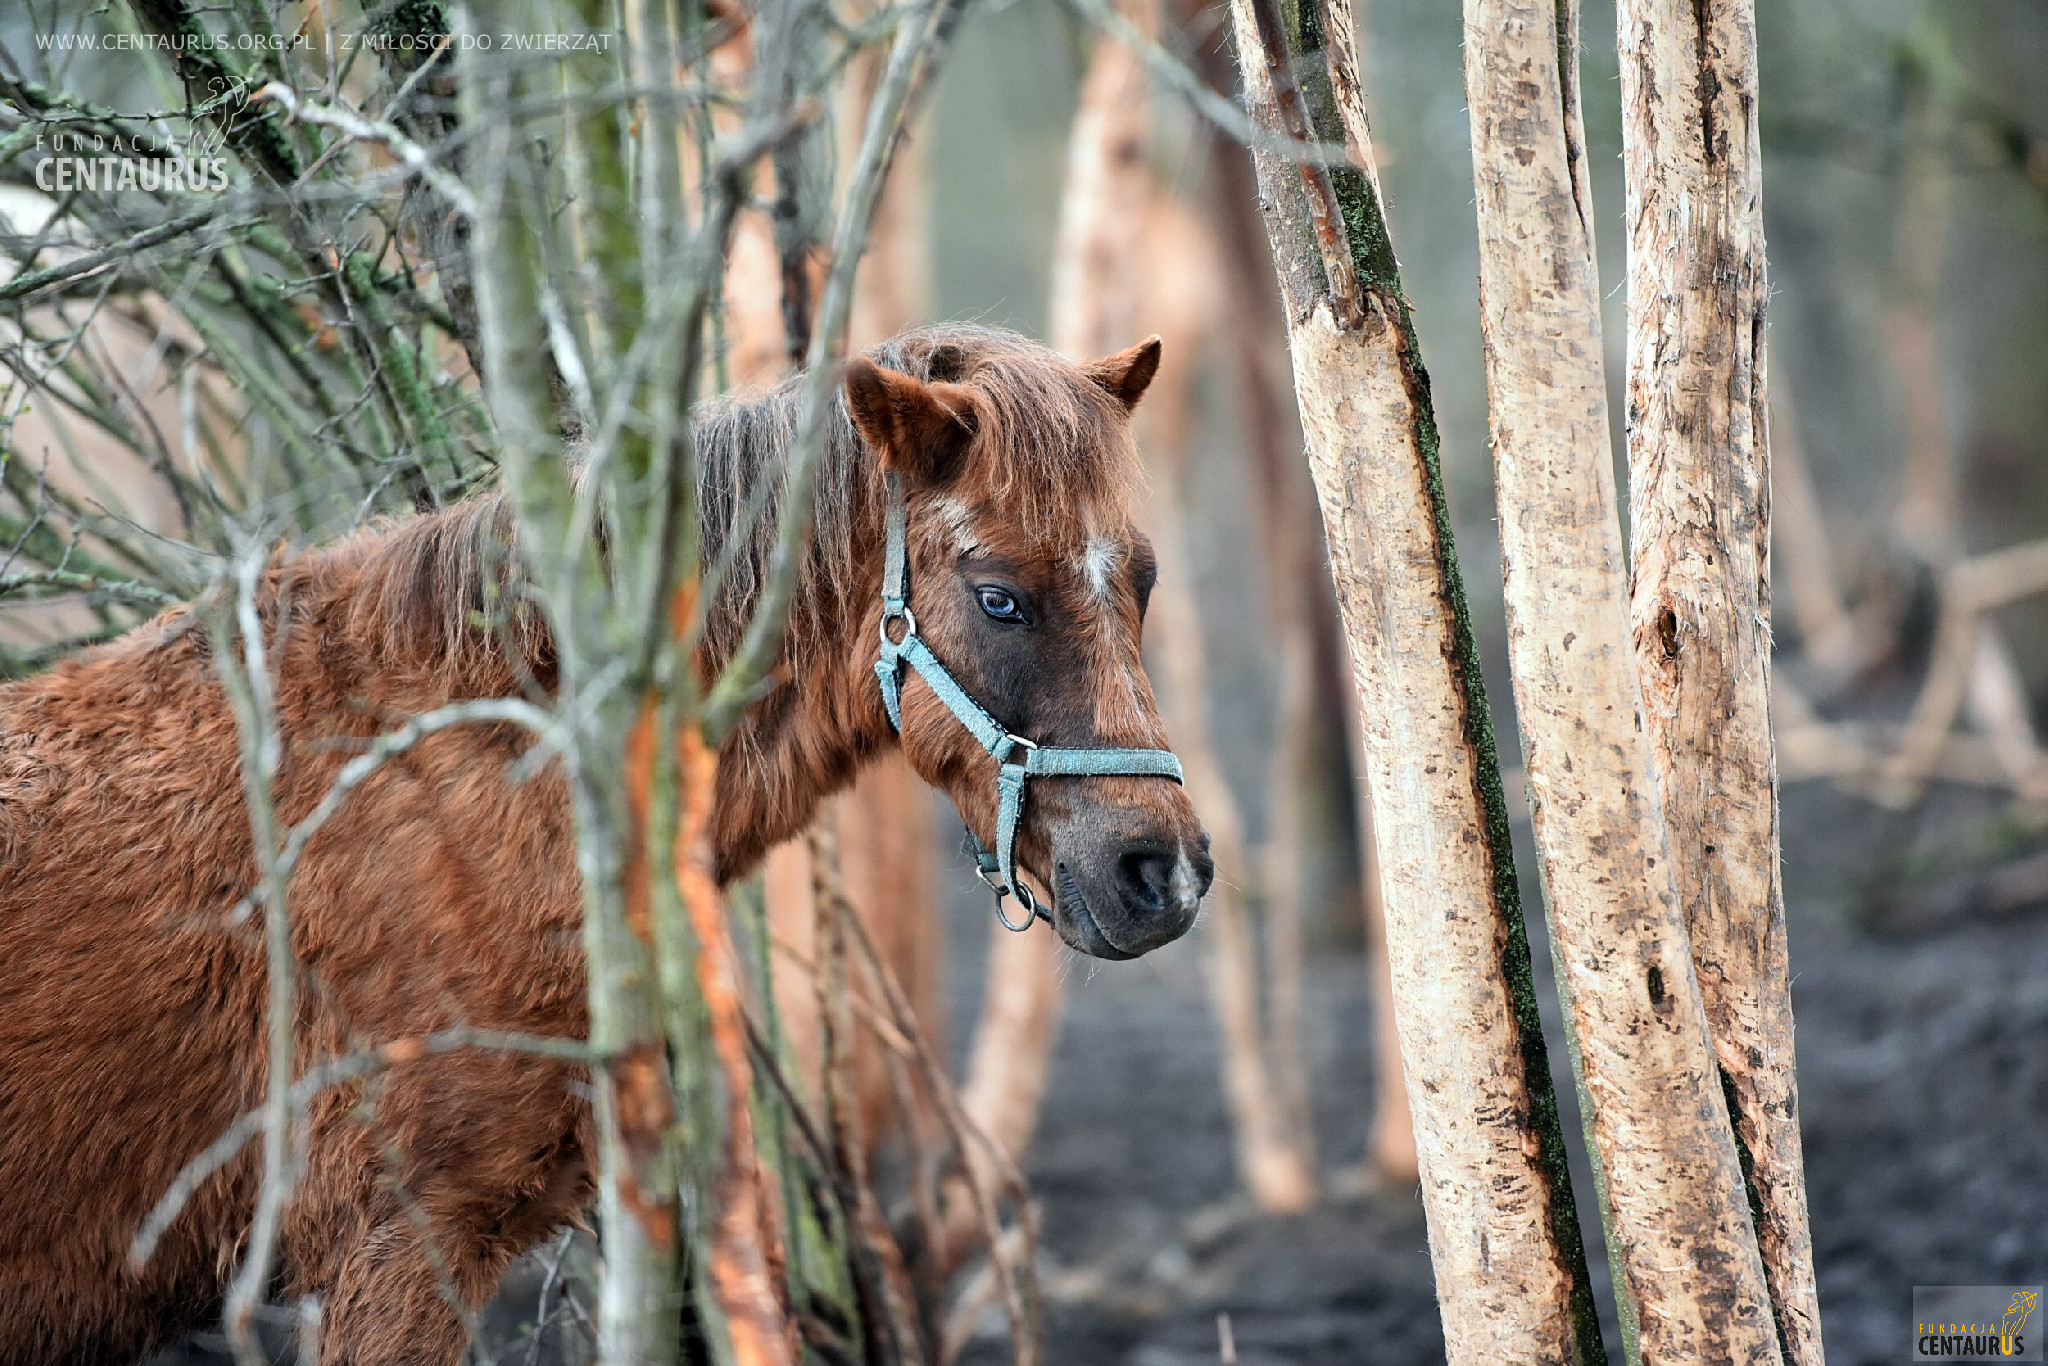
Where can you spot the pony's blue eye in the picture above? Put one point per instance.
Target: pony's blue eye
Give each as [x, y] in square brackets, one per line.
[999, 603]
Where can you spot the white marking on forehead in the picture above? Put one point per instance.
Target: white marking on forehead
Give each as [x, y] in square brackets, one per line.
[1098, 562]
[958, 520]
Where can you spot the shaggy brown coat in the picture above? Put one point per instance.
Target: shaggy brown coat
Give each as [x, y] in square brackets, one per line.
[445, 891]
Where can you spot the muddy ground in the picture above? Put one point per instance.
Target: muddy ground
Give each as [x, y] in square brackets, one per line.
[1923, 1069]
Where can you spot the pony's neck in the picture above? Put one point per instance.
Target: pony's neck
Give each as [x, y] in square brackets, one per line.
[408, 600]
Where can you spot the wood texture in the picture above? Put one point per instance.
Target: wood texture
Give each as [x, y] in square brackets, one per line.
[1510, 1277]
[1699, 477]
[1656, 1123]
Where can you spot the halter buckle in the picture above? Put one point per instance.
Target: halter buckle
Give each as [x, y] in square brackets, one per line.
[903, 614]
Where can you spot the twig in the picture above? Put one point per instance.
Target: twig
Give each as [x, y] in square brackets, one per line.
[1969, 590]
[883, 1282]
[416, 158]
[78, 267]
[391, 744]
[1171, 72]
[87, 583]
[736, 687]
[870, 1015]
[249, 688]
[1020, 1291]
[336, 1072]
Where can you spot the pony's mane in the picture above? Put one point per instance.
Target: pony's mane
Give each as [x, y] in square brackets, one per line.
[1051, 451]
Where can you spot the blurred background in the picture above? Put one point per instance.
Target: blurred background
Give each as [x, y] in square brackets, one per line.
[1906, 201]
[1214, 1133]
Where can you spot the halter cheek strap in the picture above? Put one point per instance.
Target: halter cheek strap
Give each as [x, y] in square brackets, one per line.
[1017, 758]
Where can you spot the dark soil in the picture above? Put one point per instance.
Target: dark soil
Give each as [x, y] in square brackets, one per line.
[1923, 1075]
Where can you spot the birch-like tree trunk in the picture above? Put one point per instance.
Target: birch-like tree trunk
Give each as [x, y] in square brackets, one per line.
[1503, 1230]
[1254, 987]
[1699, 501]
[1657, 1126]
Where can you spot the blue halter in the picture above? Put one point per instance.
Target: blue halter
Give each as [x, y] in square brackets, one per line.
[999, 869]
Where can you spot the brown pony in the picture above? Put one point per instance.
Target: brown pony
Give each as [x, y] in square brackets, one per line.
[446, 891]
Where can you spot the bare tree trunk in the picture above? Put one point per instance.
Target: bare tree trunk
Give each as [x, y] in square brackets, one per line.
[1390, 1146]
[882, 825]
[1013, 1040]
[1108, 185]
[1108, 211]
[1281, 870]
[1801, 549]
[1700, 509]
[1300, 592]
[1657, 1126]
[1928, 486]
[1972, 668]
[1503, 1230]
[1106, 191]
[1254, 983]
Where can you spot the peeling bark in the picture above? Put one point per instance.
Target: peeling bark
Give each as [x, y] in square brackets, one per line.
[1503, 1236]
[742, 1281]
[1672, 1192]
[1699, 477]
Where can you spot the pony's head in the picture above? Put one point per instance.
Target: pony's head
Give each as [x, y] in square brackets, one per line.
[1029, 582]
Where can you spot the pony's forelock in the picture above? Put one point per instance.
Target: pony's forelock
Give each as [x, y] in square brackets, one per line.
[1052, 456]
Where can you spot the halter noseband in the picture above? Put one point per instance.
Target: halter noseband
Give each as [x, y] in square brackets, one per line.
[999, 869]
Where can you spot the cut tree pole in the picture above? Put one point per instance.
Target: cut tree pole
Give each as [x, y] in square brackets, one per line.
[1657, 1125]
[1699, 504]
[1254, 987]
[1503, 1228]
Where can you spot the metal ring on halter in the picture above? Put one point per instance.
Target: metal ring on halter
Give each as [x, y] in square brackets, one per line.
[1016, 889]
[1024, 899]
[908, 619]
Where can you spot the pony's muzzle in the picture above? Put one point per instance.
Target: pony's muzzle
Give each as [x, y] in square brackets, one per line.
[1119, 896]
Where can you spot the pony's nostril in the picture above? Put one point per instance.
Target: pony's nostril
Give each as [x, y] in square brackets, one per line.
[1144, 877]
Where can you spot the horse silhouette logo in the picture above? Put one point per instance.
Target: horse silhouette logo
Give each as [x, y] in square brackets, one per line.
[1975, 1323]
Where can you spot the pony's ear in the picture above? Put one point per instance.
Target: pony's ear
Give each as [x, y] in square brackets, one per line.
[918, 430]
[1126, 375]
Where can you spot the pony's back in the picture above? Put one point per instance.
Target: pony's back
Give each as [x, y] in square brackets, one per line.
[127, 1035]
[132, 991]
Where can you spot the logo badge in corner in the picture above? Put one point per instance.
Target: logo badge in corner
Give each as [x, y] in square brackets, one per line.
[1977, 1323]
